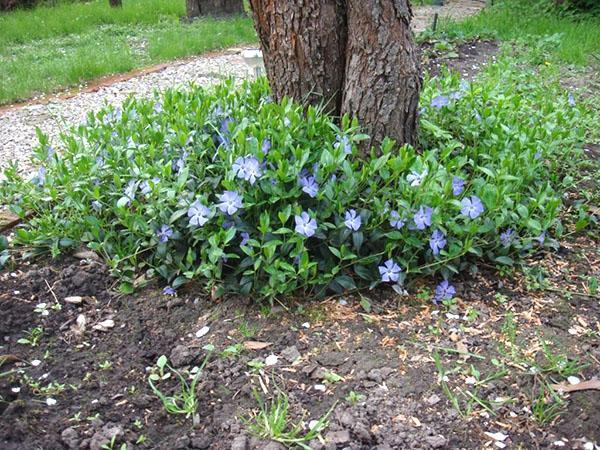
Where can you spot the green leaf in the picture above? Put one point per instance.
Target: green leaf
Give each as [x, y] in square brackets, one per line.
[345, 281]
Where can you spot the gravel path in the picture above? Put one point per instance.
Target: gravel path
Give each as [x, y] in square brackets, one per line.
[17, 126]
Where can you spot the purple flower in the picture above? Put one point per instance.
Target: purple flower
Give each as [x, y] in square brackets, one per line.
[266, 146]
[344, 142]
[251, 169]
[422, 217]
[225, 125]
[444, 291]
[99, 161]
[305, 225]
[353, 221]
[477, 116]
[390, 271]
[538, 154]
[169, 291]
[40, 179]
[245, 238]
[286, 122]
[437, 241]
[145, 187]
[230, 202]
[179, 164]
[416, 178]
[309, 185]
[457, 95]
[507, 236]
[96, 205]
[458, 185]
[158, 107]
[130, 191]
[471, 207]
[439, 101]
[396, 221]
[164, 233]
[198, 214]
[50, 152]
[571, 99]
[541, 238]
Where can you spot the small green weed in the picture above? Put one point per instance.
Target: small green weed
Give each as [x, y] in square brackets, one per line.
[184, 402]
[33, 337]
[272, 422]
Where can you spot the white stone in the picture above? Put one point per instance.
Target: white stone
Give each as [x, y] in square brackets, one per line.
[202, 332]
[271, 360]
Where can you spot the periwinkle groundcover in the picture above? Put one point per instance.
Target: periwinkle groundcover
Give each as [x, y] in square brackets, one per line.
[242, 194]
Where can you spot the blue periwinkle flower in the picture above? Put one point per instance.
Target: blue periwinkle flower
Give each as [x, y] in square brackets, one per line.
[396, 221]
[437, 241]
[439, 101]
[96, 205]
[344, 142]
[169, 291]
[198, 214]
[145, 187]
[230, 202]
[252, 169]
[305, 225]
[416, 178]
[309, 185]
[130, 191]
[40, 178]
[571, 99]
[458, 186]
[164, 233]
[541, 238]
[353, 221]
[457, 95]
[266, 146]
[443, 291]
[422, 217]
[390, 271]
[472, 207]
[245, 238]
[507, 236]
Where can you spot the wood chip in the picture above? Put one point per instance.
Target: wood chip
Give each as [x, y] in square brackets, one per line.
[256, 345]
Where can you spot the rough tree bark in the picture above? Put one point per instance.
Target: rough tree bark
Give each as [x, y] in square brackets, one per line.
[303, 46]
[196, 8]
[357, 55]
[115, 3]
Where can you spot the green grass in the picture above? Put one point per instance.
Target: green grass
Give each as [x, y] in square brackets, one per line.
[578, 38]
[49, 48]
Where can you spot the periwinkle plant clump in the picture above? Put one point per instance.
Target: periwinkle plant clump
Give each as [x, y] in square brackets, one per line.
[243, 194]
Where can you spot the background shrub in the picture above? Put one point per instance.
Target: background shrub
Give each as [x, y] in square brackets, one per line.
[246, 195]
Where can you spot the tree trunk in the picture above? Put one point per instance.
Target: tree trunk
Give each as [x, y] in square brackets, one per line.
[356, 55]
[115, 3]
[303, 47]
[382, 70]
[196, 8]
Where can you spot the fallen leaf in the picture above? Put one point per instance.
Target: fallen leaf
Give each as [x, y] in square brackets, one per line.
[583, 386]
[255, 345]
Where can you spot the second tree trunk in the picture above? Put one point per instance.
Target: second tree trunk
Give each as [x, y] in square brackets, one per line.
[356, 56]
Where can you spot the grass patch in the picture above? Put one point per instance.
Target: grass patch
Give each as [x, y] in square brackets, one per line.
[577, 37]
[47, 48]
